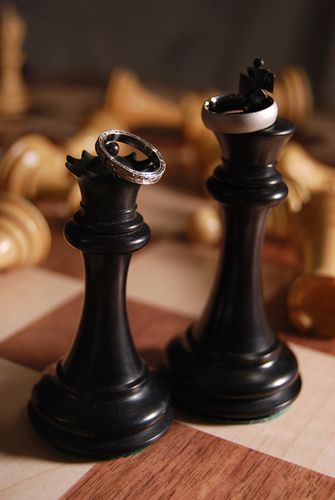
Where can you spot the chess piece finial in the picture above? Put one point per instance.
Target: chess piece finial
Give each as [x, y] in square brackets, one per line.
[101, 399]
[249, 110]
[14, 96]
[25, 237]
[230, 365]
[252, 86]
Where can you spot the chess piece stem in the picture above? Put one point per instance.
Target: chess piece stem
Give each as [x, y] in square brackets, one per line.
[101, 400]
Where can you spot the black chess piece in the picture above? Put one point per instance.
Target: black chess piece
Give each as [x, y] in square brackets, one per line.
[101, 400]
[230, 365]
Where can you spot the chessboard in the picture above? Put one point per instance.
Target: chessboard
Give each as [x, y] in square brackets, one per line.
[291, 456]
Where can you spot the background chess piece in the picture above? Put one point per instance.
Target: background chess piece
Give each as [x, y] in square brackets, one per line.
[14, 96]
[204, 226]
[307, 221]
[73, 199]
[194, 133]
[230, 365]
[101, 400]
[128, 104]
[306, 174]
[136, 106]
[24, 233]
[293, 94]
[34, 166]
[311, 298]
[86, 135]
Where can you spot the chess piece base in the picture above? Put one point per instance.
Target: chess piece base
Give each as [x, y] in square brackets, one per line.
[128, 418]
[232, 387]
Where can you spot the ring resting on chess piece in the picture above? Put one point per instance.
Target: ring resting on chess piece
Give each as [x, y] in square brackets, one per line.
[129, 168]
[225, 114]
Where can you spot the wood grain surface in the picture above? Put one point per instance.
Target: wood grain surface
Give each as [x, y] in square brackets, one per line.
[37, 291]
[187, 464]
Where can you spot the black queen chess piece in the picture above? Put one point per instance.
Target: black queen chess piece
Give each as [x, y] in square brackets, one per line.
[230, 365]
[102, 400]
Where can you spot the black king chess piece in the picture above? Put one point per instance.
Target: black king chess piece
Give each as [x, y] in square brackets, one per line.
[101, 400]
[230, 365]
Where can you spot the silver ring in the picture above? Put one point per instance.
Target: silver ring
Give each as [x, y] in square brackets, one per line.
[125, 171]
[225, 114]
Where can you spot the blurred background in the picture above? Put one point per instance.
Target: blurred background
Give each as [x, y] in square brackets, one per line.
[194, 44]
[70, 70]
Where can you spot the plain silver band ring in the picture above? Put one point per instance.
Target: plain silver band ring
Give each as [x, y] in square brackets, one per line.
[239, 122]
[125, 172]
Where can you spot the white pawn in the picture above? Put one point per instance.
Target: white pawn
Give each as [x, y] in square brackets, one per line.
[25, 237]
[14, 96]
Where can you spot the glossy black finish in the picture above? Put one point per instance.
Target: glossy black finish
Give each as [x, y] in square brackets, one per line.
[101, 400]
[231, 365]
